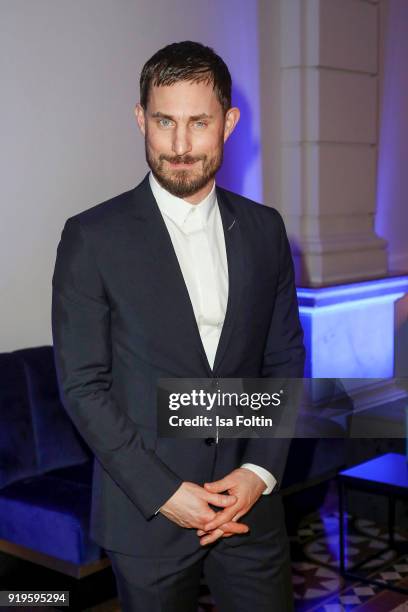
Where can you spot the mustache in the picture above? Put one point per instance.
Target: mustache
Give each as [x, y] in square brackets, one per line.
[182, 159]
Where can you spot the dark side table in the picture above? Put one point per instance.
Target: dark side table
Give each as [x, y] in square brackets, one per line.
[386, 475]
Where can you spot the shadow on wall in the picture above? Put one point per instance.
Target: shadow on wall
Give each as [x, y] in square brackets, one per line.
[241, 149]
[302, 277]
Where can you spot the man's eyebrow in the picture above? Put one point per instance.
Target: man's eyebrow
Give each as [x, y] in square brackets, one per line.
[160, 115]
[202, 116]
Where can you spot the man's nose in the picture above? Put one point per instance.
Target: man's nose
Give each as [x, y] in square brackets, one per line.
[181, 141]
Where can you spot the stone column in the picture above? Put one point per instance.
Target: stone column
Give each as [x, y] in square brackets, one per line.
[329, 89]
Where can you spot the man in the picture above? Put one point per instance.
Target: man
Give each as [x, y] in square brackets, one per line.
[178, 278]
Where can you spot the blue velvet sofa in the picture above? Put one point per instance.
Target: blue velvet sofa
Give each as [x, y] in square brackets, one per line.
[45, 470]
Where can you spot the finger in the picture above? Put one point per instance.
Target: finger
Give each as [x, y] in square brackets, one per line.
[231, 528]
[224, 516]
[216, 499]
[218, 486]
[211, 537]
[201, 532]
[230, 531]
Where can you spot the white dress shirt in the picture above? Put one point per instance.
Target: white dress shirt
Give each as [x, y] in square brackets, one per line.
[197, 235]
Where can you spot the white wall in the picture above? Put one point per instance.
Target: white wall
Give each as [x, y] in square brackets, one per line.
[392, 192]
[270, 100]
[69, 84]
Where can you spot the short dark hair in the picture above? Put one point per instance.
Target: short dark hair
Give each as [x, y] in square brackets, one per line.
[186, 61]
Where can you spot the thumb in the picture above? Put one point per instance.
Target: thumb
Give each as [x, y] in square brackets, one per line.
[218, 485]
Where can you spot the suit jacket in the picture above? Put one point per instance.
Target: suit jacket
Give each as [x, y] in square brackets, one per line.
[122, 319]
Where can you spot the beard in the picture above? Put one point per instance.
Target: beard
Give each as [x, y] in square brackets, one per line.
[184, 182]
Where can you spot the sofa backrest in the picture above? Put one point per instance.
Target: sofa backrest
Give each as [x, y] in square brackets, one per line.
[36, 434]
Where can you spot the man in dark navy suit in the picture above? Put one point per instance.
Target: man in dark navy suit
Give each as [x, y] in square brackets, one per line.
[178, 278]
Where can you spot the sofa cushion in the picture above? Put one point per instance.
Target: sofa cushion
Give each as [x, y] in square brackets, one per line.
[18, 456]
[49, 514]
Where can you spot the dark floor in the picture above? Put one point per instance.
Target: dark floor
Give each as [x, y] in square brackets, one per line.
[318, 587]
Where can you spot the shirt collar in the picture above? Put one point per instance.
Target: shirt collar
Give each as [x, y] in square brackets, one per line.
[178, 209]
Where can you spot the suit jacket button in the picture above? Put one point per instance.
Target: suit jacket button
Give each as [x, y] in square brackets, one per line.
[209, 441]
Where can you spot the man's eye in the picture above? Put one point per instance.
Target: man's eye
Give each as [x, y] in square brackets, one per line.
[164, 122]
[200, 124]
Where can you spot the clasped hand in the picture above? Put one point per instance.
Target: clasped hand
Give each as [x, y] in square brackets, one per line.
[236, 493]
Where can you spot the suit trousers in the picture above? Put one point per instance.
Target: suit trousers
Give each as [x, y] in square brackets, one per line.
[244, 573]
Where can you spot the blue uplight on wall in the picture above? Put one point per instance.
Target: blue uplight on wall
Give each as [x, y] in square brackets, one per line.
[349, 329]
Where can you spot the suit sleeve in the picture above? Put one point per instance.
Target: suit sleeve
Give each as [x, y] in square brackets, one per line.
[82, 349]
[284, 357]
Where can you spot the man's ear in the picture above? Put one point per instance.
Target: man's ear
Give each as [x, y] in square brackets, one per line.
[140, 118]
[231, 119]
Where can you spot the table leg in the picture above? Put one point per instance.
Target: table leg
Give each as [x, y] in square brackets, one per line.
[341, 527]
[391, 521]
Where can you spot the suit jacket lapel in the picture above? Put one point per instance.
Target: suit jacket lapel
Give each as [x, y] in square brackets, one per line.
[165, 263]
[236, 269]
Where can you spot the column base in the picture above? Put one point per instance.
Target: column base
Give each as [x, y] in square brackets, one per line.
[349, 328]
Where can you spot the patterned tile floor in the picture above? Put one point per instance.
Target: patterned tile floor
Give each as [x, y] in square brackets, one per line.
[317, 585]
[316, 581]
